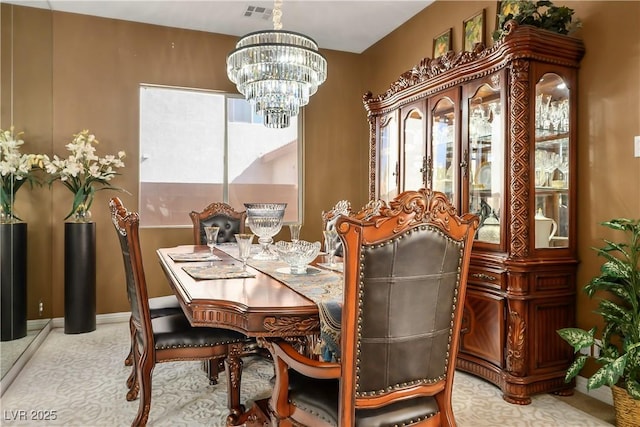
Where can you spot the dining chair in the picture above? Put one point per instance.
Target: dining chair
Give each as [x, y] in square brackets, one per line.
[329, 218]
[161, 339]
[230, 222]
[405, 281]
[218, 214]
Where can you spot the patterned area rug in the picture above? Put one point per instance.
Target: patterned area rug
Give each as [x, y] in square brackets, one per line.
[81, 379]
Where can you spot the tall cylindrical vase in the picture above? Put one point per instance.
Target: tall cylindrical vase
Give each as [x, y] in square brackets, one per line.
[79, 277]
[13, 278]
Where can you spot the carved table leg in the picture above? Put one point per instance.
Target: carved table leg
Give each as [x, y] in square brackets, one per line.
[233, 368]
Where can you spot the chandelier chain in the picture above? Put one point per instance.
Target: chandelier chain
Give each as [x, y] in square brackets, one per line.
[277, 14]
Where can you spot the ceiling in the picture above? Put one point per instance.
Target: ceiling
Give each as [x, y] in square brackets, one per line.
[346, 25]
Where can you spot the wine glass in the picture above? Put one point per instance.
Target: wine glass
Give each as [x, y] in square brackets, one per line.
[265, 221]
[294, 229]
[245, 240]
[330, 244]
[212, 236]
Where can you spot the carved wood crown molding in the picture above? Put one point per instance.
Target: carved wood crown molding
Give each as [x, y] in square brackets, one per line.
[424, 206]
[219, 208]
[520, 41]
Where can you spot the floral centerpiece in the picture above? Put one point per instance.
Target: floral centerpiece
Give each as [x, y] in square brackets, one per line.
[15, 170]
[83, 171]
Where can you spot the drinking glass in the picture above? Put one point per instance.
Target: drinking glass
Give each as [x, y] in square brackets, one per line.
[330, 244]
[212, 236]
[295, 231]
[245, 240]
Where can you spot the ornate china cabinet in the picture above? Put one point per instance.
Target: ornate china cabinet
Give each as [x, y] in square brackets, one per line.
[495, 129]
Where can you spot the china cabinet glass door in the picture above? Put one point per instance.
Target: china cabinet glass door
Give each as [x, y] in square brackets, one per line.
[414, 149]
[485, 161]
[443, 158]
[388, 167]
[551, 168]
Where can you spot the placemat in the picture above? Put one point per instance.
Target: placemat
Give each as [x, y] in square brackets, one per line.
[217, 272]
[193, 256]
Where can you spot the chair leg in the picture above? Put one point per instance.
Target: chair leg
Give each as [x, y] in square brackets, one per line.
[132, 382]
[213, 368]
[129, 359]
[145, 368]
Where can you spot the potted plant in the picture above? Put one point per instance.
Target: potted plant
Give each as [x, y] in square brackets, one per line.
[542, 14]
[620, 349]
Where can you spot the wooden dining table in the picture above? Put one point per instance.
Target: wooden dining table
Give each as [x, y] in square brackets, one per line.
[259, 306]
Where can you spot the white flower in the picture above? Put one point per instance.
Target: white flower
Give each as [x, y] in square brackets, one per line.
[83, 170]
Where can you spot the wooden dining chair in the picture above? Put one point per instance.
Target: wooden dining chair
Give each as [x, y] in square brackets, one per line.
[218, 214]
[162, 339]
[405, 282]
[230, 222]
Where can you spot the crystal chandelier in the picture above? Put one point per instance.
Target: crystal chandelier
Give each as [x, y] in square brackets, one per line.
[277, 71]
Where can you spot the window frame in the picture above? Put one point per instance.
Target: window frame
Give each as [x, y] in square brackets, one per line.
[225, 184]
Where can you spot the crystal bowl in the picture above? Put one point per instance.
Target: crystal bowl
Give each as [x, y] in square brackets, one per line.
[298, 254]
[265, 221]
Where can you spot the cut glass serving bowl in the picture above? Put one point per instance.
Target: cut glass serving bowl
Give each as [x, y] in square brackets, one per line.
[265, 221]
[298, 254]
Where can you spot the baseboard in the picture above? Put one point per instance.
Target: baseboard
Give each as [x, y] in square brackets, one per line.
[31, 349]
[101, 319]
[603, 393]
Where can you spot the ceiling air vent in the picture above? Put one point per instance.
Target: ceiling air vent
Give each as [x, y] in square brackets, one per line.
[258, 12]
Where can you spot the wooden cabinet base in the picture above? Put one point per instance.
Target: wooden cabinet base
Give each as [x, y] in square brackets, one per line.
[514, 389]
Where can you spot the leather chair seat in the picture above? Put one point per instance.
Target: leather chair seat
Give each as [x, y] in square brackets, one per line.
[320, 397]
[174, 331]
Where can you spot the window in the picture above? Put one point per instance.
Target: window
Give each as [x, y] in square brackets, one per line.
[199, 147]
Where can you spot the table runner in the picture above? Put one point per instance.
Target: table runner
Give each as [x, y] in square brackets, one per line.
[322, 286]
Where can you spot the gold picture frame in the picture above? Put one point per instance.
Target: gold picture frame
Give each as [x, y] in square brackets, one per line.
[473, 31]
[442, 43]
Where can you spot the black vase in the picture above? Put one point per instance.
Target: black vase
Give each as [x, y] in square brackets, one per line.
[13, 278]
[79, 277]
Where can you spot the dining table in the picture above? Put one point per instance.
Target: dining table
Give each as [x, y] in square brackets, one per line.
[263, 301]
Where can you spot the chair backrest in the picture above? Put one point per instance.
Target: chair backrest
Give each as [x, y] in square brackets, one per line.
[126, 225]
[218, 214]
[405, 283]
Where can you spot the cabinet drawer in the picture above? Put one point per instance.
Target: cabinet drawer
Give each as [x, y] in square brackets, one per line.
[488, 278]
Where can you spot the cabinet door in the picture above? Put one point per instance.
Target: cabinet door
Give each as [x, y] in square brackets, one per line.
[484, 157]
[388, 167]
[413, 147]
[443, 154]
[552, 162]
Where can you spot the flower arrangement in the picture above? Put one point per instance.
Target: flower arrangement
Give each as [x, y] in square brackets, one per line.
[82, 171]
[15, 170]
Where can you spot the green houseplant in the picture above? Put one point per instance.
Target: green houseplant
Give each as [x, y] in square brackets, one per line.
[542, 14]
[620, 350]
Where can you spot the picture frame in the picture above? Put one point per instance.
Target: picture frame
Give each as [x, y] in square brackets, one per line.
[473, 30]
[442, 43]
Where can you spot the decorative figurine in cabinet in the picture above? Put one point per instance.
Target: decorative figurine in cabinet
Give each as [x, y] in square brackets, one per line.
[495, 130]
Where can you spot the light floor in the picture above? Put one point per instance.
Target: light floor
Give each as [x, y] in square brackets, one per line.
[79, 380]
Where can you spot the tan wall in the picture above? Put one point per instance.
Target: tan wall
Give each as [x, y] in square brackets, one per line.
[608, 108]
[98, 64]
